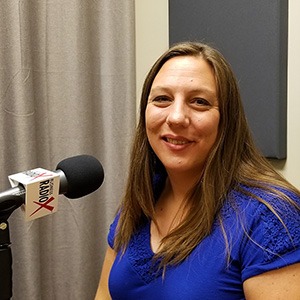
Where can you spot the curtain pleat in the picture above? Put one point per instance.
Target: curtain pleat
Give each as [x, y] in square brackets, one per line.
[67, 87]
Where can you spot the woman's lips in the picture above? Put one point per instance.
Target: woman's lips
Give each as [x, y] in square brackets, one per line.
[176, 141]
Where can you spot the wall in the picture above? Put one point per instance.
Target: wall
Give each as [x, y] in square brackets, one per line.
[152, 40]
[152, 36]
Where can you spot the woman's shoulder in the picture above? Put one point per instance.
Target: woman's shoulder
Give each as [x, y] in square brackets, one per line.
[112, 230]
[273, 198]
[268, 218]
[259, 206]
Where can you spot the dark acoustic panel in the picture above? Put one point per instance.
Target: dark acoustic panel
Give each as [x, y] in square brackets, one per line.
[252, 35]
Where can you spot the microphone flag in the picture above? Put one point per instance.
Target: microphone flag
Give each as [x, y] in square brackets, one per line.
[41, 191]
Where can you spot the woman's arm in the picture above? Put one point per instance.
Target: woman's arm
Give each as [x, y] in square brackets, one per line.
[103, 292]
[277, 284]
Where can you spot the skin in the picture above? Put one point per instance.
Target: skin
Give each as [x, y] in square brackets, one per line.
[182, 115]
[281, 284]
[182, 119]
[103, 291]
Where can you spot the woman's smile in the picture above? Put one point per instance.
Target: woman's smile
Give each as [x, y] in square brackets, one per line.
[182, 114]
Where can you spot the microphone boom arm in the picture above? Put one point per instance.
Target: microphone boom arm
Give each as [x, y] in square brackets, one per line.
[7, 205]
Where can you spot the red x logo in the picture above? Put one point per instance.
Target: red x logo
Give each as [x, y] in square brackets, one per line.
[40, 175]
[44, 205]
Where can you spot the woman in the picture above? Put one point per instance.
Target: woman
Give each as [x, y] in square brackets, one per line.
[204, 215]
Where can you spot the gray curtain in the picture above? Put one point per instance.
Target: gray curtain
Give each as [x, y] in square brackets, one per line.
[67, 87]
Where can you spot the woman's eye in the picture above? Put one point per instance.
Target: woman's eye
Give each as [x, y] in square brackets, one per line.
[161, 99]
[201, 101]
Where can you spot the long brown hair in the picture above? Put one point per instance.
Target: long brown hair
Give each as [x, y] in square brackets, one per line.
[233, 160]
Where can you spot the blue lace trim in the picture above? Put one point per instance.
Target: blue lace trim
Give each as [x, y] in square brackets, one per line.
[141, 256]
[278, 239]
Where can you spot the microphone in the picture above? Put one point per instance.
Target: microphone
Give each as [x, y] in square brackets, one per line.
[79, 176]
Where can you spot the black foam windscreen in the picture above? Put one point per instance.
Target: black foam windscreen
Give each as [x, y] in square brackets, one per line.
[84, 175]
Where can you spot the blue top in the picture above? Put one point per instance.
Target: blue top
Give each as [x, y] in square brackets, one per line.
[207, 273]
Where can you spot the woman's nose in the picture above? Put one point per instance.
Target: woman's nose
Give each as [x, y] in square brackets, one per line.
[178, 114]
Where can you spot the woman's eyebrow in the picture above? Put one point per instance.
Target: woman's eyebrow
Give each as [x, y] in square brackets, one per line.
[202, 90]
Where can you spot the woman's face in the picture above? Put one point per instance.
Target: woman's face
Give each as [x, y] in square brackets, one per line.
[182, 114]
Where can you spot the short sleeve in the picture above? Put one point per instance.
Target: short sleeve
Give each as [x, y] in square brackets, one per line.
[112, 231]
[271, 243]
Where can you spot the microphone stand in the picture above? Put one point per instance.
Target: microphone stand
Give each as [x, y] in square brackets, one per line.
[7, 205]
